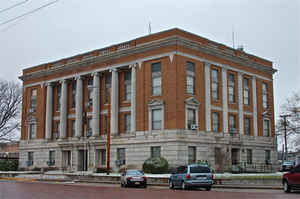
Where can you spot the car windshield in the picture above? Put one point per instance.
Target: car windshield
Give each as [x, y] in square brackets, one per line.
[134, 172]
[199, 169]
[288, 163]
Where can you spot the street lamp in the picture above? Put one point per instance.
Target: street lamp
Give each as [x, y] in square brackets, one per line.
[107, 138]
[86, 135]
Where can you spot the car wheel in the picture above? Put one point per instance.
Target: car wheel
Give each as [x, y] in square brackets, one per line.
[183, 186]
[286, 187]
[171, 185]
[208, 188]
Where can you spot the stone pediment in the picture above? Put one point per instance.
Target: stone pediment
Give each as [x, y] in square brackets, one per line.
[192, 101]
[266, 114]
[155, 102]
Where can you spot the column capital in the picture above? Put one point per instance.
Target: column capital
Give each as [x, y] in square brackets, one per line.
[78, 77]
[95, 74]
[206, 63]
[48, 84]
[113, 70]
[224, 69]
[133, 65]
[62, 81]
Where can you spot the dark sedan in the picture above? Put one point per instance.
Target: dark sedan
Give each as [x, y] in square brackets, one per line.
[133, 178]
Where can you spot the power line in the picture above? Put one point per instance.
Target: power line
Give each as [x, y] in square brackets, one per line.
[13, 6]
[28, 13]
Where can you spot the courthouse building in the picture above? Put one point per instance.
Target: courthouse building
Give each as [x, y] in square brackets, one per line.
[172, 94]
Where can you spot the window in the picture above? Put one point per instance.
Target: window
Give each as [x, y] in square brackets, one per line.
[190, 79]
[73, 95]
[249, 156]
[127, 86]
[268, 156]
[266, 126]
[32, 131]
[89, 127]
[265, 95]
[216, 121]
[231, 88]
[191, 118]
[107, 87]
[101, 157]
[127, 122]
[246, 91]
[33, 99]
[155, 152]
[73, 127]
[192, 154]
[121, 156]
[51, 158]
[215, 84]
[157, 119]
[66, 158]
[58, 97]
[90, 93]
[247, 126]
[232, 124]
[30, 159]
[105, 124]
[57, 133]
[156, 78]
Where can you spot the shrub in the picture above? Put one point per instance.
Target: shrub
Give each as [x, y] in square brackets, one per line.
[156, 165]
[9, 165]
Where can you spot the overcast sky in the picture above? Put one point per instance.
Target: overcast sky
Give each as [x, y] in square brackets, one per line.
[266, 28]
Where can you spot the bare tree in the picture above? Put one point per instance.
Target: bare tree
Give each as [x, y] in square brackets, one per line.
[10, 108]
[291, 109]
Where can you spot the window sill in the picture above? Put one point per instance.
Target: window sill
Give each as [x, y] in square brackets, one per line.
[158, 95]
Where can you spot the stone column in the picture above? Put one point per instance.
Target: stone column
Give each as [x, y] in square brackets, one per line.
[96, 104]
[133, 99]
[63, 109]
[78, 107]
[114, 102]
[225, 100]
[241, 103]
[254, 106]
[207, 97]
[49, 107]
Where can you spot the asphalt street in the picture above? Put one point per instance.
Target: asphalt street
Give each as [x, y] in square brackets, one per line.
[39, 190]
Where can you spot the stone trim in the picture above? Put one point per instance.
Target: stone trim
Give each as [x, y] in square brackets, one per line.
[172, 40]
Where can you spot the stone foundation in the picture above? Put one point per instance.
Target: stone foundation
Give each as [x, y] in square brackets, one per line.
[173, 143]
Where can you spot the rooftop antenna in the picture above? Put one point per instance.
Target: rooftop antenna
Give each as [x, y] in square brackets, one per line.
[232, 37]
[149, 28]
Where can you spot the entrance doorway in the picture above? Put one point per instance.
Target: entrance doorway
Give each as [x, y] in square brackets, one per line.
[82, 160]
[235, 156]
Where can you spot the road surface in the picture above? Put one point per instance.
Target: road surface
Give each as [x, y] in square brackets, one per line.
[40, 190]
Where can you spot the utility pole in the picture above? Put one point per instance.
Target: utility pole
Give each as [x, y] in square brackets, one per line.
[285, 139]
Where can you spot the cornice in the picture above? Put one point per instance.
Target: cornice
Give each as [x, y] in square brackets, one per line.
[169, 41]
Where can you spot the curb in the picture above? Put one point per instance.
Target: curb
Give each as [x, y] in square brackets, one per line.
[275, 187]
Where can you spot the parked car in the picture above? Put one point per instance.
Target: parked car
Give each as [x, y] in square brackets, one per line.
[191, 176]
[291, 180]
[133, 178]
[287, 165]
